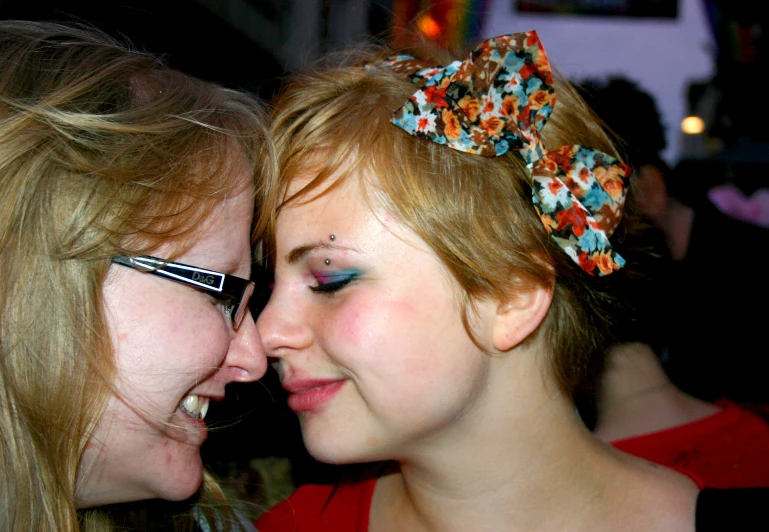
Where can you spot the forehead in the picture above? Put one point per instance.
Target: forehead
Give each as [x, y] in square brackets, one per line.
[357, 213]
[335, 199]
[346, 209]
[222, 229]
[317, 179]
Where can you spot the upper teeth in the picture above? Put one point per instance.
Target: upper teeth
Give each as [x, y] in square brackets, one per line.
[195, 405]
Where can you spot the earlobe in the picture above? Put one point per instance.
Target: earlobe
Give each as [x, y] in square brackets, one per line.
[519, 316]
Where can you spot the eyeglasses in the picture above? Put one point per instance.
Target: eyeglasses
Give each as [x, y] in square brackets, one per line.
[234, 291]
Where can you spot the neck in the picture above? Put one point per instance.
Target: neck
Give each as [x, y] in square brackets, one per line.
[521, 461]
[632, 370]
[637, 397]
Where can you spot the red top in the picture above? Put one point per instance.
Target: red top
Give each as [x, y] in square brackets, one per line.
[729, 449]
[343, 507]
[320, 508]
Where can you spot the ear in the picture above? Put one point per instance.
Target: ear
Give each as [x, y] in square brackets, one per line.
[520, 316]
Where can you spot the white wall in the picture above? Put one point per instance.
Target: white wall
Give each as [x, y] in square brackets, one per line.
[662, 56]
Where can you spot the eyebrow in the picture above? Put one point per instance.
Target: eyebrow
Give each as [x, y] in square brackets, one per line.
[298, 253]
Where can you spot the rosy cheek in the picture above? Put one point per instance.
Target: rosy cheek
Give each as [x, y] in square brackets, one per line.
[352, 325]
[204, 341]
[377, 328]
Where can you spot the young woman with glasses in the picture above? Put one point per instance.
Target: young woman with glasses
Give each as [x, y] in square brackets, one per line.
[126, 203]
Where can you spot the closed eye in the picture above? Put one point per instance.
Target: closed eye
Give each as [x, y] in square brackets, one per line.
[334, 281]
[222, 301]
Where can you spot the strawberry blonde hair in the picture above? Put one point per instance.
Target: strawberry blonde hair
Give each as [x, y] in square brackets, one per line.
[475, 212]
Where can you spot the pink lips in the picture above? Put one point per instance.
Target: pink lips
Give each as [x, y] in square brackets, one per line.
[305, 395]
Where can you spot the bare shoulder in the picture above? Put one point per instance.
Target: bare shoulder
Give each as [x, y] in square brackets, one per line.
[675, 497]
[654, 497]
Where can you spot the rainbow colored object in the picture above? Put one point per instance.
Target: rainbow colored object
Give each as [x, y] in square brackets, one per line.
[451, 24]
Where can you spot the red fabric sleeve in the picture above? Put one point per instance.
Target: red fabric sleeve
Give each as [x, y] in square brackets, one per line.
[729, 449]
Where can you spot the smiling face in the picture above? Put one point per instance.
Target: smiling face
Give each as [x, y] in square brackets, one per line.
[175, 350]
[366, 328]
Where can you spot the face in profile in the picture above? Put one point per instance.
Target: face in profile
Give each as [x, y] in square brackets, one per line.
[365, 326]
[175, 350]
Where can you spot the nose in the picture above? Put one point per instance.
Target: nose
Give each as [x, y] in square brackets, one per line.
[245, 359]
[282, 327]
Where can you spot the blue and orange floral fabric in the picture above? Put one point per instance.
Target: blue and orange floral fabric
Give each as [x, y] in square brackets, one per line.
[497, 100]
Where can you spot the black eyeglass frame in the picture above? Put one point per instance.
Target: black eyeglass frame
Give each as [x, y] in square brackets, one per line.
[229, 288]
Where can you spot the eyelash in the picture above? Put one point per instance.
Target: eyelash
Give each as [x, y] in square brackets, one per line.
[218, 302]
[333, 286]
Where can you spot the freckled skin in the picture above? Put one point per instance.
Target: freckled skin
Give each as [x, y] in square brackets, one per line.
[170, 340]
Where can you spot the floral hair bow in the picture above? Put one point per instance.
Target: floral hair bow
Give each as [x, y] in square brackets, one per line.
[498, 99]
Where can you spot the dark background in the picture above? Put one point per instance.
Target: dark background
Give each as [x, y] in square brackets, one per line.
[185, 33]
[622, 8]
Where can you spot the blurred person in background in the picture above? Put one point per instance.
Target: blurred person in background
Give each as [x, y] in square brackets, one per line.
[639, 408]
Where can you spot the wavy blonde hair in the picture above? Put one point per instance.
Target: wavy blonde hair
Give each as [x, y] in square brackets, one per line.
[103, 151]
[475, 212]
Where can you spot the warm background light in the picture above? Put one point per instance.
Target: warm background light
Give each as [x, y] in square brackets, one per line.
[692, 125]
[428, 26]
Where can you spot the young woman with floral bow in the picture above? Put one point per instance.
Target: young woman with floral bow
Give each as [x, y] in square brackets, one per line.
[440, 292]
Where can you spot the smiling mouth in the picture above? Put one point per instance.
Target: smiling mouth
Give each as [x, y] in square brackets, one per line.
[195, 406]
[307, 396]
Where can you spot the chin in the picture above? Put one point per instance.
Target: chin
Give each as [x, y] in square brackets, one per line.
[182, 493]
[340, 451]
[181, 480]
[164, 485]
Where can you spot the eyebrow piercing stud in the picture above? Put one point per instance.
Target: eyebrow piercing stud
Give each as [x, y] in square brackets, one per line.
[332, 238]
